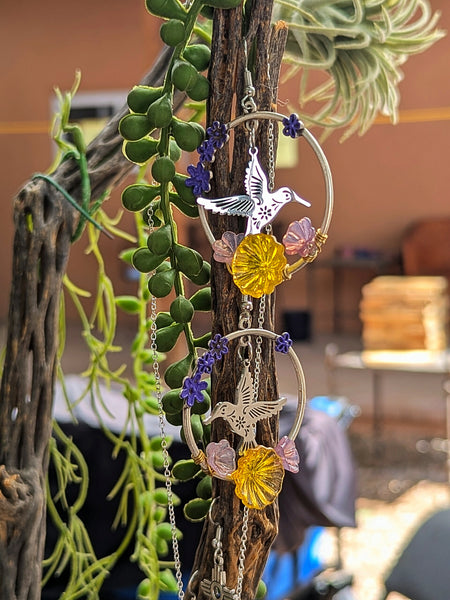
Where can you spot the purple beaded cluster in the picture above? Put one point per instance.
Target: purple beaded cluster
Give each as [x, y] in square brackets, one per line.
[200, 175]
[193, 387]
[216, 137]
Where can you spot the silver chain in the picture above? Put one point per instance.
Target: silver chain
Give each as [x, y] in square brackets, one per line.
[258, 348]
[242, 553]
[162, 430]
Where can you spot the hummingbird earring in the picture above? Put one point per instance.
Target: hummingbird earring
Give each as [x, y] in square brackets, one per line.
[258, 263]
[246, 254]
[256, 471]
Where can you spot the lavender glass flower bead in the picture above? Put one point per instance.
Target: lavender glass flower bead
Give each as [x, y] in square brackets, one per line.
[225, 248]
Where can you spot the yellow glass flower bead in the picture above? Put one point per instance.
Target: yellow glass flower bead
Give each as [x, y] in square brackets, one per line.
[258, 264]
[258, 477]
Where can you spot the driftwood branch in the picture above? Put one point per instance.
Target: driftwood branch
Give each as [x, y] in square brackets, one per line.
[226, 76]
[44, 225]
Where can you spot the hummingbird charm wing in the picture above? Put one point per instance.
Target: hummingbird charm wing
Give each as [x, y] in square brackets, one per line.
[242, 205]
[256, 180]
[244, 390]
[265, 409]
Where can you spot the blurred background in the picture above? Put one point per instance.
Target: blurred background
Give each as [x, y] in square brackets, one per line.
[392, 218]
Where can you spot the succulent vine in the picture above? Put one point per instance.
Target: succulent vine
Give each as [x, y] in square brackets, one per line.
[154, 139]
[141, 483]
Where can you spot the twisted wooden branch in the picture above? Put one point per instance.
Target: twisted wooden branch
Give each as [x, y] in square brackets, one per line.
[227, 84]
[44, 226]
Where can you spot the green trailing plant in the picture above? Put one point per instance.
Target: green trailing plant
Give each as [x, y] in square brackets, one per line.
[352, 51]
[142, 495]
[141, 486]
[154, 139]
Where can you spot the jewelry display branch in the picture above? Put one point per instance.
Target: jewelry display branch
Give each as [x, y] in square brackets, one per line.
[257, 263]
[244, 458]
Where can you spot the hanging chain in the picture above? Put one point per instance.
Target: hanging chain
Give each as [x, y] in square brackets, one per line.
[258, 348]
[242, 553]
[245, 322]
[162, 430]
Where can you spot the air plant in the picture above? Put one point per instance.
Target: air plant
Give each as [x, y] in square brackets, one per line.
[356, 48]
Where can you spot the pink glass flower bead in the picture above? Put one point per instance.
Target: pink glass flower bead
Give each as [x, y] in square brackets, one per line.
[221, 458]
[287, 451]
[225, 248]
[299, 237]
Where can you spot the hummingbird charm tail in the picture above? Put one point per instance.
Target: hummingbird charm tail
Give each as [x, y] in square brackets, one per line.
[243, 446]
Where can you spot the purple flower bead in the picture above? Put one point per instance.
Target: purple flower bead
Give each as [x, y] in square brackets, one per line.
[218, 346]
[205, 363]
[293, 127]
[221, 458]
[300, 238]
[199, 179]
[193, 389]
[218, 134]
[283, 343]
[206, 151]
[225, 248]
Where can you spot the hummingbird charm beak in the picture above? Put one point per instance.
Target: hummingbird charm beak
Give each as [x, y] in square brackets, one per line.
[209, 419]
[299, 199]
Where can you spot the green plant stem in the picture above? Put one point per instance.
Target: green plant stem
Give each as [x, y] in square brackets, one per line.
[164, 150]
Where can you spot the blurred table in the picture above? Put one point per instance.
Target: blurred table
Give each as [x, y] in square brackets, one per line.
[379, 361]
[376, 264]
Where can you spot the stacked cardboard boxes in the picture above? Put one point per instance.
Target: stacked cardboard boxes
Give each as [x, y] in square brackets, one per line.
[405, 313]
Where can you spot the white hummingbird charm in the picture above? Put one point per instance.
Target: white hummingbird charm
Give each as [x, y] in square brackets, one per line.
[259, 205]
[244, 414]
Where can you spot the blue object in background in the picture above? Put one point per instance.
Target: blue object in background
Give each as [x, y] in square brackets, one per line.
[336, 407]
[284, 572]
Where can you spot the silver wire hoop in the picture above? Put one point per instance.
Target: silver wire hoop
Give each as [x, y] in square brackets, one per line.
[322, 232]
[198, 455]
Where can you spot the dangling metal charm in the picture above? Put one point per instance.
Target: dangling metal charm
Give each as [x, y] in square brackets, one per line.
[247, 260]
[216, 587]
[258, 474]
[259, 205]
[245, 413]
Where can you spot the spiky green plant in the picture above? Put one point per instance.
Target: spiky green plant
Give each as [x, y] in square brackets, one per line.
[355, 49]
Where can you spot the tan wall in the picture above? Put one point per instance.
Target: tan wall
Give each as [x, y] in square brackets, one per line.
[383, 181]
[41, 46]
